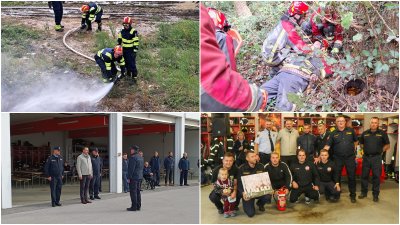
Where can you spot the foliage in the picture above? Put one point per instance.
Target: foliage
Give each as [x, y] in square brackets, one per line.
[16, 39]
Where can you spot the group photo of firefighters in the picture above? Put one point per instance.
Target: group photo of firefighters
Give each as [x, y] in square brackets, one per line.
[299, 56]
[319, 164]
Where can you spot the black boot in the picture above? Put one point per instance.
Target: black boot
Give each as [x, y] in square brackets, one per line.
[99, 26]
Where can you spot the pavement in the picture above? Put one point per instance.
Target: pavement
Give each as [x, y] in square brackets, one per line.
[171, 205]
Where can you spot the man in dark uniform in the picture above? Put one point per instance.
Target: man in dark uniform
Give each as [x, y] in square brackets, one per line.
[135, 176]
[279, 174]
[155, 168]
[58, 14]
[227, 163]
[251, 167]
[306, 141]
[54, 170]
[305, 179]
[169, 163]
[97, 165]
[343, 142]
[125, 172]
[329, 185]
[374, 142]
[184, 167]
[321, 140]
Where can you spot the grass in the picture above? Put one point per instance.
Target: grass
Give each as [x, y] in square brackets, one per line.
[17, 39]
[170, 60]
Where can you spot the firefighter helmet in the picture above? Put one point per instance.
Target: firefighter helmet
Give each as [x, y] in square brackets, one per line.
[127, 20]
[118, 50]
[297, 7]
[218, 18]
[85, 8]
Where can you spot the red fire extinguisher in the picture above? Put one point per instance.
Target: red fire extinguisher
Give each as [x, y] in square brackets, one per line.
[281, 202]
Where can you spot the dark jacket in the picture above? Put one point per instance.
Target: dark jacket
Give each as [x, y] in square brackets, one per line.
[146, 171]
[169, 162]
[97, 165]
[135, 167]
[125, 165]
[327, 172]
[155, 163]
[305, 174]
[320, 143]
[184, 164]
[54, 166]
[240, 154]
[280, 176]
[307, 142]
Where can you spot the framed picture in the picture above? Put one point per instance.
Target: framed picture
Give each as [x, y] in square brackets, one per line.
[257, 185]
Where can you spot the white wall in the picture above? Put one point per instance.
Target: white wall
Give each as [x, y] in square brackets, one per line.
[192, 147]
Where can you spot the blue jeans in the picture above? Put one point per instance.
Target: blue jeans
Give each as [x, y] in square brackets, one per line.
[282, 84]
[183, 177]
[94, 186]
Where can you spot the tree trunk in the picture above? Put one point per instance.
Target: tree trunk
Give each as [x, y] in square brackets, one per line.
[241, 9]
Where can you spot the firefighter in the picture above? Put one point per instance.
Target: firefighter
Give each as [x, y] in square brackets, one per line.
[106, 59]
[284, 38]
[216, 153]
[294, 76]
[251, 167]
[329, 184]
[58, 14]
[224, 40]
[128, 38]
[305, 179]
[279, 174]
[218, 95]
[54, 171]
[91, 12]
[374, 141]
[326, 29]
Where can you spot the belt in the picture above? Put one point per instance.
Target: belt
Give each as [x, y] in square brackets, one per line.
[296, 72]
[264, 153]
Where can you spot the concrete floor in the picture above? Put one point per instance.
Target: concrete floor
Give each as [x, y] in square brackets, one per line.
[165, 205]
[365, 211]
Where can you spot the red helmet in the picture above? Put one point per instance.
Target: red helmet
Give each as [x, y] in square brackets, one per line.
[127, 20]
[297, 8]
[219, 18]
[85, 8]
[118, 50]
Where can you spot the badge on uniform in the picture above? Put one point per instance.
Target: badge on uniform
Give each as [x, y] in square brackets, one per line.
[307, 168]
[349, 133]
[329, 169]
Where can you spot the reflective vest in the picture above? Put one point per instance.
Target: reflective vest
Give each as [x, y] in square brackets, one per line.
[128, 38]
[94, 9]
[107, 55]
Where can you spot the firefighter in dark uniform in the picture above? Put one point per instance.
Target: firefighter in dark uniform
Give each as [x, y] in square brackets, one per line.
[279, 174]
[374, 142]
[91, 13]
[216, 153]
[54, 170]
[135, 176]
[343, 142]
[305, 179]
[329, 184]
[58, 14]
[128, 38]
[227, 163]
[251, 167]
[106, 59]
[97, 166]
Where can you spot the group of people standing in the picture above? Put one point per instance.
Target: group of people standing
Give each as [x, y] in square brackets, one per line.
[306, 164]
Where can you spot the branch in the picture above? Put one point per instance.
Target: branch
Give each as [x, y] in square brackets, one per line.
[373, 31]
[383, 20]
[394, 99]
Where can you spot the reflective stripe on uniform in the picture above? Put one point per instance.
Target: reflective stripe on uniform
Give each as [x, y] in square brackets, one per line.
[276, 46]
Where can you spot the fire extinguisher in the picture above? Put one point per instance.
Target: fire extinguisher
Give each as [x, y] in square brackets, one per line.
[281, 202]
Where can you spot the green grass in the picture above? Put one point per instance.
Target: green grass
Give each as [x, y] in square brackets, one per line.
[22, 3]
[17, 39]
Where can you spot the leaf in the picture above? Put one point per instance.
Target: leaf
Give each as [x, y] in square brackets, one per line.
[394, 54]
[370, 65]
[392, 61]
[392, 37]
[390, 5]
[385, 68]
[335, 50]
[375, 52]
[378, 67]
[358, 37]
[347, 19]
[366, 53]
[363, 107]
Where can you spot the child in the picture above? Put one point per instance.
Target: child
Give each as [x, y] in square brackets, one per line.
[225, 186]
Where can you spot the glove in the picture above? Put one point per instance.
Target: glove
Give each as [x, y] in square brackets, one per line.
[83, 26]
